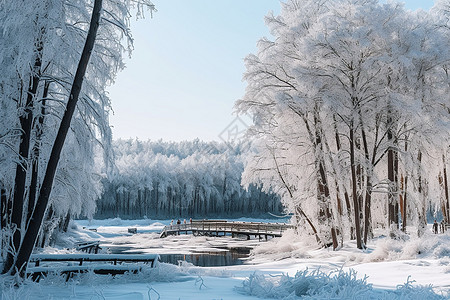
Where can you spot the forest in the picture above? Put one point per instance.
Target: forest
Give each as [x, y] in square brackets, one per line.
[351, 109]
[191, 179]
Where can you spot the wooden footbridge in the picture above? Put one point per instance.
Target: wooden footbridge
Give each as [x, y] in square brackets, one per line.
[222, 228]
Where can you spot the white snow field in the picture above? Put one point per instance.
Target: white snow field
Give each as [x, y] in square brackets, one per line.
[284, 268]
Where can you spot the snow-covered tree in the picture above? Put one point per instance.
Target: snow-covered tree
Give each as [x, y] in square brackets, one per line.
[46, 70]
[345, 95]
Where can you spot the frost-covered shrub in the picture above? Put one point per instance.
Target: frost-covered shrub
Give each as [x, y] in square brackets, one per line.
[441, 249]
[429, 245]
[335, 285]
[307, 284]
[410, 292]
[288, 245]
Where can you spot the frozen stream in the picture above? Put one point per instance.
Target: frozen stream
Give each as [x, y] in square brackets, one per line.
[201, 259]
[200, 251]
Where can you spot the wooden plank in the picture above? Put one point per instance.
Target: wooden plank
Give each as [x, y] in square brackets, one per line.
[95, 257]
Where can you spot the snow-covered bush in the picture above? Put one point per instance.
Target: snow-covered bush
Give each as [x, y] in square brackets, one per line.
[408, 291]
[288, 245]
[316, 284]
[429, 245]
[307, 284]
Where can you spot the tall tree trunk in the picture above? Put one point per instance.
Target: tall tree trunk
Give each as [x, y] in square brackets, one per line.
[44, 233]
[405, 204]
[354, 187]
[66, 222]
[35, 156]
[117, 204]
[359, 180]
[368, 194]
[446, 191]
[3, 207]
[367, 207]
[402, 202]
[3, 217]
[157, 198]
[404, 194]
[44, 194]
[421, 209]
[325, 214]
[339, 231]
[396, 204]
[346, 196]
[26, 121]
[325, 211]
[391, 198]
[392, 176]
[146, 202]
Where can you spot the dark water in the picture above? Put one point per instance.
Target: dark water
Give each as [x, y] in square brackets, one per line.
[211, 259]
[124, 250]
[203, 259]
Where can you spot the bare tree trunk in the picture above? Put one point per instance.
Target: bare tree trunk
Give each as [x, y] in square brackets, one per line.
[44, 194]
[392, 176]
[339, 231]
[325, 214]
[391, 198]
[3, 207]
[354, 188]
[44, 233]
[447, 220]
[405, 203]
[404, 195]
[396, 204]
[346, 196]
[3, 218]
[35, 156]
[26, 121]
[324, 199]
[157, 198]
[66, 222]
[402, 202]
[368, 194]
[421, 209]
[360, 182]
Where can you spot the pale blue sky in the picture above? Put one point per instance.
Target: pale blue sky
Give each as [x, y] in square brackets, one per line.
[186, 70]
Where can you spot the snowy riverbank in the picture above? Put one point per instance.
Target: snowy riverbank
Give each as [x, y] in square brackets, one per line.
[385, 265]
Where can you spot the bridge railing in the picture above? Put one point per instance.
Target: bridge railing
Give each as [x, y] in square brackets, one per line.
[223, 225]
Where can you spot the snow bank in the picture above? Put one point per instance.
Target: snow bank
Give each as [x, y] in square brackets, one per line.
[405, 247]
[165, 273]
[427, 246]
[289, 245]
[335, 285]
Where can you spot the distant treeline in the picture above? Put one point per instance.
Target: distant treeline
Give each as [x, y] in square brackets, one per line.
[180, 180]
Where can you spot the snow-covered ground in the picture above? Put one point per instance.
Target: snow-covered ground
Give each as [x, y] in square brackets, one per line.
[271, 270]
